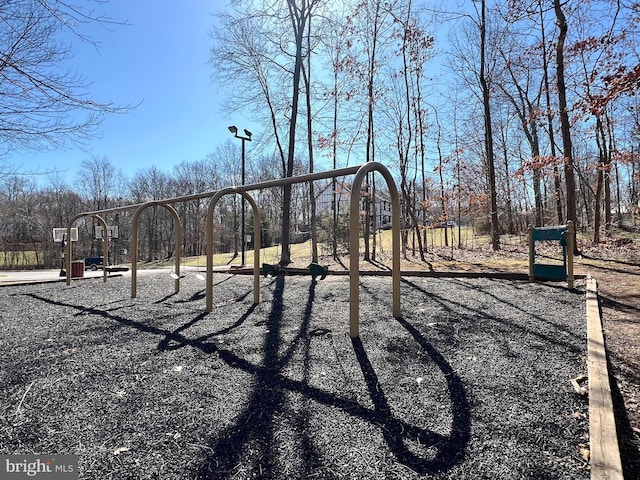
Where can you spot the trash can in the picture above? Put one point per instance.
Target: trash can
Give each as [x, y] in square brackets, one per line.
[77, 269]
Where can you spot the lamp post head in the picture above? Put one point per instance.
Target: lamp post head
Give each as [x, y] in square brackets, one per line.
[233, 129]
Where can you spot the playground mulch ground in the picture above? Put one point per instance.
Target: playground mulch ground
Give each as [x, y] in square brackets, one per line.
[472, 381]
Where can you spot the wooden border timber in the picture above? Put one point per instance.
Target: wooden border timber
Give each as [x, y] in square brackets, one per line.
[605, 452]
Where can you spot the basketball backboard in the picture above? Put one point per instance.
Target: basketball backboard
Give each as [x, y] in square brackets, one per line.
[60, 233]
[112, 230]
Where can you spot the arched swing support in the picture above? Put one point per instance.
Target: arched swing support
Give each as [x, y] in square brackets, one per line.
[354, 244]
[354, 237]
[135, 223]
[256, 250]
[105, 246]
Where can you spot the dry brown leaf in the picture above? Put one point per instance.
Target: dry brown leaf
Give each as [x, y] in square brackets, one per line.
[585, 452]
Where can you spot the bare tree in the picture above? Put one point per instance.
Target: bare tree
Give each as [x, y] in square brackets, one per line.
[523, 90]
[98, 180]
[190, 178]
[333, 43]
[488, 134]
[565, 126]
[306, 73]
[153, 184]
[43, 104]
[368, 28]
[101, 185]
[557, 182]
[473, 62]
[415, 45]
[265, 68]
[299, 14]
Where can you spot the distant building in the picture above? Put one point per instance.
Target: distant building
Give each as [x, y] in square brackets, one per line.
[380, 215]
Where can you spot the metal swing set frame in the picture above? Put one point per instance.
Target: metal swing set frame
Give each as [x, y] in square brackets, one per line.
[360, 173]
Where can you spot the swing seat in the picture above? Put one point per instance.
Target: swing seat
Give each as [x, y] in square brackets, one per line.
[270, 270]
[318, 270]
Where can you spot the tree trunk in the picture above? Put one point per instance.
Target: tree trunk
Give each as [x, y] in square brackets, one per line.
[565, 125]
[488, 135]
[552, 141]
[312, 195]
[334, 183]
[370, 153]
[298, 19]
[608, 221]
[596, 206]
[443, 215]
[537, 173]
[618, 205]
[602, 173]
[511, 229]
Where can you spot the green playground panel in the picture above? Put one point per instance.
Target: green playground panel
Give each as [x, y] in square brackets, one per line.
[551, 272]
[546, 271]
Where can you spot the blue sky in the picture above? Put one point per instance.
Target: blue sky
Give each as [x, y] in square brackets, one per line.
[159, 59]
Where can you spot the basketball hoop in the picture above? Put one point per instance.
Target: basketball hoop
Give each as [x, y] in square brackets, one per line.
[60, 234]
[112, 231]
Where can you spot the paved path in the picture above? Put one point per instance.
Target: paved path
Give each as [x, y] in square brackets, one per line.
[12, 277]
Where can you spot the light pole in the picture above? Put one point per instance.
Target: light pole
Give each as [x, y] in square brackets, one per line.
[233, 129]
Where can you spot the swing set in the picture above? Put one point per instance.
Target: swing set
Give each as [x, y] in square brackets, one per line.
[315, 269]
